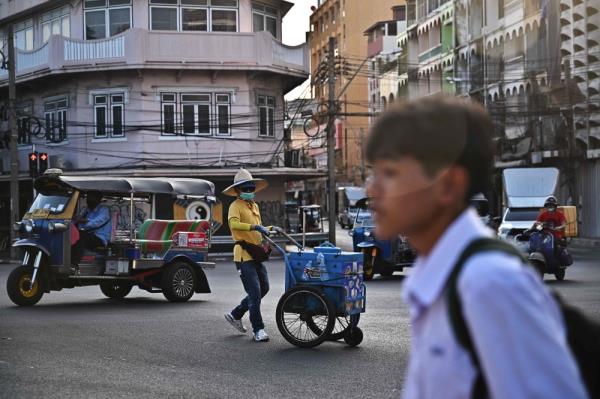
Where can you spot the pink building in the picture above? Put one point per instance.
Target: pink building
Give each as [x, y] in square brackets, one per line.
[152, 87]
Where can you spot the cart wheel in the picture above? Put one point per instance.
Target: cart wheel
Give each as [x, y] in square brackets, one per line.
[116, 289]
[178, 282]
[305, 316]
[342, 324]
[354, 336]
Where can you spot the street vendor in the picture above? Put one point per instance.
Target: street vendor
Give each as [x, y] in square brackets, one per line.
[247, 233]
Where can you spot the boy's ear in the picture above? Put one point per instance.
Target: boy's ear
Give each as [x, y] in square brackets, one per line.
[454, 186]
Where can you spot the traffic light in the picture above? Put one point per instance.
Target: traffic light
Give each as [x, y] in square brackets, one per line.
[43, 158]
[33, 164]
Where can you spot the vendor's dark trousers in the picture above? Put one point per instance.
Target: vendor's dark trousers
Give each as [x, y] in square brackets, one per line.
[256, 284]
[87, 240]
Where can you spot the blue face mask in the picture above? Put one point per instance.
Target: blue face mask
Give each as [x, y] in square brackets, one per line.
[247, 196]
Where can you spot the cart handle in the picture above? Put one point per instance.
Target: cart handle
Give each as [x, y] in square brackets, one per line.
[280, 230]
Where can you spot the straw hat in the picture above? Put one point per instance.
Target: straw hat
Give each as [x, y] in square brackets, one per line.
[241, 177]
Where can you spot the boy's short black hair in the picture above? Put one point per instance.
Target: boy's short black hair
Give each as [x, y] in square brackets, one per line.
[438, 131]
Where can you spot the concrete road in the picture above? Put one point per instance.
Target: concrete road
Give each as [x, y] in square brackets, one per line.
[76, 343]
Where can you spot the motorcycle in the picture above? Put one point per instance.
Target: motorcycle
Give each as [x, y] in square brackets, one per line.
[543, 252]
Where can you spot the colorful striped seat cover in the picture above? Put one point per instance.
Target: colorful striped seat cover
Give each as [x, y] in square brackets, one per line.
[156, 235]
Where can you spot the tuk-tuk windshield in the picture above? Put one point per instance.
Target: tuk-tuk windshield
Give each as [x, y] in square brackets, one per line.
[52, 203]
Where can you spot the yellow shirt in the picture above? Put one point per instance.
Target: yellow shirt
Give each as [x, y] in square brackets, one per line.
[244, 212]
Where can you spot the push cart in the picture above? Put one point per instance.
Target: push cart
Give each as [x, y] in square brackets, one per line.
[324, 295]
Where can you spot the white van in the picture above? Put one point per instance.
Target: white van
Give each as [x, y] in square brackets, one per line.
[525, 190]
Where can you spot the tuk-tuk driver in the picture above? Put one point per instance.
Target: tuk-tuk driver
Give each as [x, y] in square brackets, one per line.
[245, 224]
[95, 226]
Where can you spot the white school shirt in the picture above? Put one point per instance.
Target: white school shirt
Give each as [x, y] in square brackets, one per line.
[515, 324]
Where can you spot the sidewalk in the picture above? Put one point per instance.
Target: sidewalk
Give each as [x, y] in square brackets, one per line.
[585, 242]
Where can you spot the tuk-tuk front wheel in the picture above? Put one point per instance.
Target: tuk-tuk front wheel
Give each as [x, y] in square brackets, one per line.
[178, 282]
[19, 289]
[369, 265]
[116, 289]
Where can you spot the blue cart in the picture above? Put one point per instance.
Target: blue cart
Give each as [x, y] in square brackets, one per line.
[324, 295]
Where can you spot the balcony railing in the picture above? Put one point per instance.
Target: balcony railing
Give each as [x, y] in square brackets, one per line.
[437, 50]
[139, 48]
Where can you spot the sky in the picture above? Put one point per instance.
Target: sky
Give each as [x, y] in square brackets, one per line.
[295, 25]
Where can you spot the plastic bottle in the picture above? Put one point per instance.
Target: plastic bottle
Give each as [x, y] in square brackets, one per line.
[307, 267]
[322, 266]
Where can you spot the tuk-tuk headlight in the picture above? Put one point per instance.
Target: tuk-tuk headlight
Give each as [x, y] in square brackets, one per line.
[367, 234]
[28, 226]
[51, 227]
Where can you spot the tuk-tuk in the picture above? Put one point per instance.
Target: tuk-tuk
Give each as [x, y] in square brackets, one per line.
[157, 255]
[380, 256]
[347, 208]
[303, 219]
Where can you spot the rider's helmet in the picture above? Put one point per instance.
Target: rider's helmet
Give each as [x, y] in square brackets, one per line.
[551, 202]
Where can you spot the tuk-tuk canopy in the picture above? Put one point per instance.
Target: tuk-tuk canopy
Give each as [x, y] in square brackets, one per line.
[126, 185]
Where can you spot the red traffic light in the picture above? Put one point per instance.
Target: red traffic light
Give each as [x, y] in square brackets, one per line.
[43, 156]
[33, 156]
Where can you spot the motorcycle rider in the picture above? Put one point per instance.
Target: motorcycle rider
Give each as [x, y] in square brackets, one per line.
[554, 219]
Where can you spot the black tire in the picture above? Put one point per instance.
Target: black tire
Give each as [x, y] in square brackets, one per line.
[178, 282]
[368, 266]
[539, 267]
[387, 271]
[342, 324]
[17, 287]
[354, 336]
[298, 323]
[116, 289]
[560, 275]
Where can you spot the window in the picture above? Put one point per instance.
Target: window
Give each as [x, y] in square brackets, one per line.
[199, 114]
[56, 22]
[266, 116]
[24, 35]
[55, 115]
[105, 18]
[109, 115]
[168, 104]
[264, 18]
[194, 15]
[223, 107]
[24, 112]
[195, 113]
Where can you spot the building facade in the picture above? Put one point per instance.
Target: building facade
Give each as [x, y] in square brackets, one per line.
[346, 21]
[152, 88]
[534, 65]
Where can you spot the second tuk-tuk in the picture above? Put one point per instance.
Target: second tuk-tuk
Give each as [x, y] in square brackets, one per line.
[380, 256]
[155, 254]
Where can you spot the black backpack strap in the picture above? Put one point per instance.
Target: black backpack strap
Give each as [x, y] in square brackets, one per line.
[455, 314]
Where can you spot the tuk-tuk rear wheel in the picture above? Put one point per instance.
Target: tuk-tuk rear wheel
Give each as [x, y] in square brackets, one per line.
[178, 282]
[18, 287]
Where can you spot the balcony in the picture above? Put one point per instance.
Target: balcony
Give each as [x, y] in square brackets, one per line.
[433, 52]
[140, 48]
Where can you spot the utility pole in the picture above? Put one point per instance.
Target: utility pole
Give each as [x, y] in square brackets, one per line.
[14, 153]
[331, 138]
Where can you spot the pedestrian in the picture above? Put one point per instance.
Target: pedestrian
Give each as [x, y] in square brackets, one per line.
[428, 158]
[247, 231]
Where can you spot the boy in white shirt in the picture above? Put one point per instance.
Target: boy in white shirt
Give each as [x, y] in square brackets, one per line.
[428, 158]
